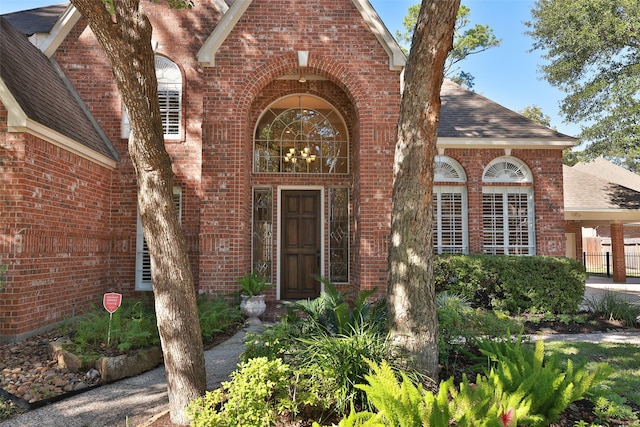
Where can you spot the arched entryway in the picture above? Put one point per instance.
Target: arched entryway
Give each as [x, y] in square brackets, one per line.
[301, 170]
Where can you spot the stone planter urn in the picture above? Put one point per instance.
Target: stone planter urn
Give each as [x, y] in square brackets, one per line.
[253, 307]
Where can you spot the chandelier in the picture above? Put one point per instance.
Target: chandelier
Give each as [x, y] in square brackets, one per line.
[303, 156]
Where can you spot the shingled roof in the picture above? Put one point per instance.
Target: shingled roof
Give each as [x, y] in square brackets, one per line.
[38, 92]
[40, 20]
[601, 191]
[466, 114]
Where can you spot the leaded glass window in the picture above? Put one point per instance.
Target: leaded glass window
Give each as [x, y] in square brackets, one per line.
[301, 134]
[262, 233]
[339, 235]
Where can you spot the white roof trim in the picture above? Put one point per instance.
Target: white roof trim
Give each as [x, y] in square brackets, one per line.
[522, 143]
[17, 121]
[397, 59]
[48, 43]
[206, 54]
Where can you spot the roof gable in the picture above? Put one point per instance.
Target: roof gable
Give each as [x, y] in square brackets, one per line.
[41, 102]
[206, 55]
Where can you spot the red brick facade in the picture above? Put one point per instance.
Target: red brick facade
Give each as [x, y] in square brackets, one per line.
[69, 226]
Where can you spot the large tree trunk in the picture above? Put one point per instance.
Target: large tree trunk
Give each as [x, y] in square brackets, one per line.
[125, 36]
[412, 310]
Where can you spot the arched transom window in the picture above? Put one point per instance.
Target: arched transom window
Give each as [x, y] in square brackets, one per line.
[301, 134]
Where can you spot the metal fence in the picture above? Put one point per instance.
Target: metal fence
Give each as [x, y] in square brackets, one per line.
[601, 264]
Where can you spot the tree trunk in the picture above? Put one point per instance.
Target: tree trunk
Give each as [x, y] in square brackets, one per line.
[411, 294]
[125, 36]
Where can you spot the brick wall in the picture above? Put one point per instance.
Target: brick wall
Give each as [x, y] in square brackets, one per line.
[72, 226]
[259, 51]
[546, 168]
[54, 219]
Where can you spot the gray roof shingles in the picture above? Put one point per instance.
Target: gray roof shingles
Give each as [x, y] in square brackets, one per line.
[589, 187]
[43, 93]
[465, 114]
[40, 20]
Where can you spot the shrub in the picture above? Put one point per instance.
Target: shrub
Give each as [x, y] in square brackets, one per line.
[342, 359]
[217, 315]
[519, 386]
[549, 386]
[336, 312]
[513, 283]
[259, 393]
[132, 326]
[615, 306]
[460, 326]
[329, 338]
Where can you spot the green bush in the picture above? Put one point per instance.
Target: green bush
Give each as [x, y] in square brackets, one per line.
[329, 337]
[217, 315]
[257, 393]
[519, 387]
[549, 386]
[133, 326]
[460, 326]
[615, 306]
[335, 312]
[513, 283]
[260, 393]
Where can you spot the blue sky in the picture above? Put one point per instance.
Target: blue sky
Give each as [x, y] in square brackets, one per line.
[508, 75]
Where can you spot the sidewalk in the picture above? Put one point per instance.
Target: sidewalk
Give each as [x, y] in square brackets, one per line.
[138, 398]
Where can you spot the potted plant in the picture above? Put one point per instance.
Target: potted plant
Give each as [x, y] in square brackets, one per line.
[252, 286]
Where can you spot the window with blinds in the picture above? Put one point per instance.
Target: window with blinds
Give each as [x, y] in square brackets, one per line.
[143, 260]
[450, 227]
[508, 221]
[169, 97]
[450, 230]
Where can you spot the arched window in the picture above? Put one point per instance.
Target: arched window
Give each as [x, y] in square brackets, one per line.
[169, 97]
[508, 218]
[450, 225]
[301, 134]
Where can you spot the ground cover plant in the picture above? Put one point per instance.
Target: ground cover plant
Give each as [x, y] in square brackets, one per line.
[133, 326]
[329, 350]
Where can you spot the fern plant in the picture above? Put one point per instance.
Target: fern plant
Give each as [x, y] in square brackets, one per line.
[520, 370]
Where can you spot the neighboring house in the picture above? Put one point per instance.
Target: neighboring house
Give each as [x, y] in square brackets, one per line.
[599, 194]
[281, 119]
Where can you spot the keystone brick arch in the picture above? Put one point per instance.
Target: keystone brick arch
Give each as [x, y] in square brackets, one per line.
[287, 64]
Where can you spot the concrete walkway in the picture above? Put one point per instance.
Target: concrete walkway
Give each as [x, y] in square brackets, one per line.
[140, 398]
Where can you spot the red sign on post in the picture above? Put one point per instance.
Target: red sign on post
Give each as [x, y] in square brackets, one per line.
[111, 301]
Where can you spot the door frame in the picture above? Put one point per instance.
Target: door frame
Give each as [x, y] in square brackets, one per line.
[282, 188]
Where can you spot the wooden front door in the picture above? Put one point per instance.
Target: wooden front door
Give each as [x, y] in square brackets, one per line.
[300, 245]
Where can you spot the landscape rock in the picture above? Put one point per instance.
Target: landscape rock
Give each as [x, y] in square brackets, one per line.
[124, 366]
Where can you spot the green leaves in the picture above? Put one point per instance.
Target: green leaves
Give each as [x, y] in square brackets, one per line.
[593, 53]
